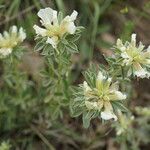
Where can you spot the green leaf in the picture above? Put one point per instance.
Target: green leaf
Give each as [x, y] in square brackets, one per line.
[86, 118]
[64, 41]
[77, 107]
[72, 47]
[79, 29]
[119, 105]
[55, 112]
[39, 46]
[76, 112]
[73, 38]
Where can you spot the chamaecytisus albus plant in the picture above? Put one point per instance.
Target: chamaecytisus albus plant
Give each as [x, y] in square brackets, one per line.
[134, 59]
[98, 96]
[15, 88]
[56, 42]
[54, 26]
[10, 40]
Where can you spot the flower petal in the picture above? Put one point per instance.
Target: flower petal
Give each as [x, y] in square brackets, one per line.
[133, 39]
[55, 18]
[73, 16]
[100, 105]
[22, 34]
[91, 105]
[107, 115]
[147, 61]
[14, 29]
[99, 81]
[100, 76]
[117, 95]
[108, 106]
[124, 55]
[6, 35]
[53, 41]
[68, 23]
[1, 38]
[141, 46]
[114, 86]
[5, 51]
[71, 28]
[46, 15]
[139, 71]
[120, 45]
[148, 49]
[39, 30]
[86, 87]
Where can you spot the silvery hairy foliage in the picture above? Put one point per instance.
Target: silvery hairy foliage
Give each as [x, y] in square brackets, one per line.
[56, 42]
[104, 92]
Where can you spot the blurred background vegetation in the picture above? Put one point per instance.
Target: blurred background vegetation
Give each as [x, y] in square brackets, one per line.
[104, 21]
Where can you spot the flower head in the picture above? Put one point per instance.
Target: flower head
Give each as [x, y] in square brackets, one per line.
[101, 97]
[53, 29]
[143, 111]
[136, 58]
[124, 123]
[11, 39]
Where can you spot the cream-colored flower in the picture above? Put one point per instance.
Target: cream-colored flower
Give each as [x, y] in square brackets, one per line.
[10, 39]
[135, 57]
[145, 111]
[125, 122]
[53, 29]
[100, 97]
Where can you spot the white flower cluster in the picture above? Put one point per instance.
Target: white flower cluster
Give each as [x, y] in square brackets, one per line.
[135, 57]
[10, 39]
[100, 97]
[53, 29]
